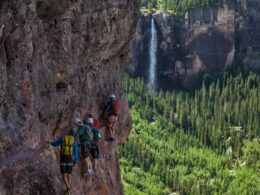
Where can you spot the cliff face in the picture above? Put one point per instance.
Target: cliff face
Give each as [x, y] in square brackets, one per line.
[204, 40]
[59, 60]
[139, 57]
[247, 33]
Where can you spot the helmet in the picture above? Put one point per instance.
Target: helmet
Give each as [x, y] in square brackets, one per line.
[76, 121]
[113, 96]
[72, 131]
[89, 121]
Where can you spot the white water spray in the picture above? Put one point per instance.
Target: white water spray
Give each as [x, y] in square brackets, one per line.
[152, 54]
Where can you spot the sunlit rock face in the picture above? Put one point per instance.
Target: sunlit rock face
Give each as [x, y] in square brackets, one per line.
[203, 40]
[59, 60]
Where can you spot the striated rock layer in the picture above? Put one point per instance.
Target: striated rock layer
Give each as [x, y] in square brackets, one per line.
[58, 60]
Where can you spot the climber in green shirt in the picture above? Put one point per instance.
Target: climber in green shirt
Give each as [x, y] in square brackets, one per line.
[85, 137]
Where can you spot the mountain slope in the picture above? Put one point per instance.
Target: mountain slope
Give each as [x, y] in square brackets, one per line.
[206, 142]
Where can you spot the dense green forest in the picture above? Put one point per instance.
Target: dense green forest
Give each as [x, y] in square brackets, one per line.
[179, 6]
[204, 142]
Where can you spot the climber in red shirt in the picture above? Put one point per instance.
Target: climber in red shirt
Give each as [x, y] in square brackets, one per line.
[111, 115]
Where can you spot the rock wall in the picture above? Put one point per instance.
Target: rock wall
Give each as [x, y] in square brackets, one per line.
[204, 40]
[59, 60]
[247, 33]
[139, 57]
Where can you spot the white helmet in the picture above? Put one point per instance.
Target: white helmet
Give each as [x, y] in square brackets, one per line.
[90, 121]
[76, 121]
[113, 96]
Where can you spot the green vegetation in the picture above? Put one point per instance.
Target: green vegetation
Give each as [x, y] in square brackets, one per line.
[179, 6]
[201, 143]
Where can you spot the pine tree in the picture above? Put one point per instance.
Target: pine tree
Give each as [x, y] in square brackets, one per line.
[161, 5]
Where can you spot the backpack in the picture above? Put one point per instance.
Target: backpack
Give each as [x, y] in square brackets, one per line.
[96, 133]
[95, 124]
[115, 107]
[67, 145]
[87, 135]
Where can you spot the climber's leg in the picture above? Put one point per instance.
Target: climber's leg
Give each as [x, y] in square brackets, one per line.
[65, 179]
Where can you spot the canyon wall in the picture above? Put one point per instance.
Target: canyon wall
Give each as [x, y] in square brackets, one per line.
[204, 40]
[59, 60]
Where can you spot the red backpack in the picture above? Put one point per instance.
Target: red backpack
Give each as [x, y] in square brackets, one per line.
[116, 107]
[95, 124]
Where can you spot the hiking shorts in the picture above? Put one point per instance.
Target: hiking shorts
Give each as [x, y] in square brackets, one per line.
[66, 164]
[94, 151]
[85, 150]
[112, 119]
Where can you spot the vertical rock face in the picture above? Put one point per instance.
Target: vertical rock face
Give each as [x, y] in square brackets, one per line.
[210, 37]
[58, 60]
[204, 40]
[248, 36]
[139, 57]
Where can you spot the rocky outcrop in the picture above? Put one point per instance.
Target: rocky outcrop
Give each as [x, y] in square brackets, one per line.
[59, 60]
[204, 40]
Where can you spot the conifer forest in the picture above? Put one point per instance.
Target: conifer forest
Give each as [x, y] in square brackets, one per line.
[200, 142]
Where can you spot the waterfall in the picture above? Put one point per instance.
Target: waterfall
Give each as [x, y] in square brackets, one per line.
[152, 54]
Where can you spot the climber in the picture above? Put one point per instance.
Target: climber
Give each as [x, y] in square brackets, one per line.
[94, 145]
[68, 156]
[95, 121]
[111, 114]
[85, 137]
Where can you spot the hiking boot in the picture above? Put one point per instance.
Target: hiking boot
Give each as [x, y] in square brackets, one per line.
[67, 192]
[92, 172]
[87, 173]
[112, 139]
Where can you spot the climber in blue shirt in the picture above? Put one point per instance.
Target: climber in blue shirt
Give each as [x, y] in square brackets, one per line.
[68, 156]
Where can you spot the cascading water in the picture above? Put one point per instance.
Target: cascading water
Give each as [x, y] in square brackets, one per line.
[152, 55]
